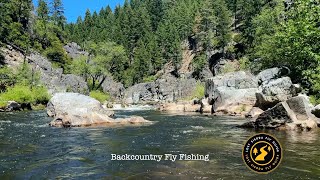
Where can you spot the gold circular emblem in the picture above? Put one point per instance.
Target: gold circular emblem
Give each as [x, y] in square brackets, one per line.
[262, 153]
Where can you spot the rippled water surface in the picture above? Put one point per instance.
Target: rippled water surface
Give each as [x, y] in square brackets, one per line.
[29, 149]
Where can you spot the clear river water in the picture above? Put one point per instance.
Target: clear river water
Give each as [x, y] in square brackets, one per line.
[30, 149]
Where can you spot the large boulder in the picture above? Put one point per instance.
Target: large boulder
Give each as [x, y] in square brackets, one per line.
[75, 110]
[234, 80]
[268, 74]
[234, 101]
[274, 91]
[294, 113]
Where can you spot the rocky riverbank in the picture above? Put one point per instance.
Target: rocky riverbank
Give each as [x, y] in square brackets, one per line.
[269, 98]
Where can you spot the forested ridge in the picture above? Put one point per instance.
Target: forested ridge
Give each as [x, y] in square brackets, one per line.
[134, 41]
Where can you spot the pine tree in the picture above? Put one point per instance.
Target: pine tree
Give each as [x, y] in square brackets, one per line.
[156, 11]
[43, 10]
[215, 24]
[141, 65]
[58, 14]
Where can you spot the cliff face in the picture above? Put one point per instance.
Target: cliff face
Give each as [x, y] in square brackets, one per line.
[52, 78]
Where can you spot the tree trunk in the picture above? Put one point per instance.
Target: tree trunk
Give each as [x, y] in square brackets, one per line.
[101, 82]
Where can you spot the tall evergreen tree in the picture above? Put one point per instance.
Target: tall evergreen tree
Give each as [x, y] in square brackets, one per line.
[43, 10]
[58, 14]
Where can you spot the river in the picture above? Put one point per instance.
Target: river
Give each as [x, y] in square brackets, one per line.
[30, 149]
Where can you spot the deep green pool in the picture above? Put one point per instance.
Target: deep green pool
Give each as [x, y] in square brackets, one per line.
[30, 149]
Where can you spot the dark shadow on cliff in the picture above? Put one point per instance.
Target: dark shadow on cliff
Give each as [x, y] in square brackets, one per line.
[1, 60]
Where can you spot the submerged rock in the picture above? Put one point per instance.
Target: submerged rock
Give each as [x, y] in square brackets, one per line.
[294, 113]
[75, 110]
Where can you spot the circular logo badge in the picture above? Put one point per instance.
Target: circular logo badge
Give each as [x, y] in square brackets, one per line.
[262, 153]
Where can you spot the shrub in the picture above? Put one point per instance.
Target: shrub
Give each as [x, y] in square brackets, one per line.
[149, 79]
[199, 91]
[23, 94]
[6, 78]
[19, 93]
[244, 63]
[315, 100]
[3, 104]
[100, 96]
[229, 67]
[40, 95]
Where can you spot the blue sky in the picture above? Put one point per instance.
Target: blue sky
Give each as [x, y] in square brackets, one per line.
[75, 8]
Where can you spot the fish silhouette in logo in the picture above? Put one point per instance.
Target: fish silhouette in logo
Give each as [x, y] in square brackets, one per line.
[263, 153]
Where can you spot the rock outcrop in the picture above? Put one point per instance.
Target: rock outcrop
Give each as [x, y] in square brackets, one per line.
[74, 50]
[295, 113]
[54, 79]
[274, 91]
[234, 80]
[77, 110]
[237, 93]
[168, 89]
[115, 89]
[232, 93]
[268, 74]
[11, 57]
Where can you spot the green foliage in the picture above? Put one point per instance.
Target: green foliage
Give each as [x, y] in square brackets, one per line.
[40, 95]
[149, 79]
[7, 78]
[199, 91]
[215, 24]
[294, 42]
[26, 76]
[20, 94]
[24, 94]
[3, 104]
[244, 63]
[105, 58]
[58, 14]
[229, 67]
[100, 96]
[43, 10]
[315, 99]
[199, 63]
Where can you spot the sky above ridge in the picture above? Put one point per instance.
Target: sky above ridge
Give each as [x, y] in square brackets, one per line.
[76, 8]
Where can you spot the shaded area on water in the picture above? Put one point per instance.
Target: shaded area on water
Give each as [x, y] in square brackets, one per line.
[31, 149]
